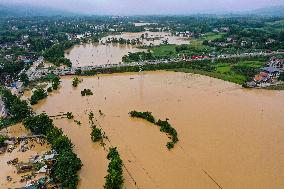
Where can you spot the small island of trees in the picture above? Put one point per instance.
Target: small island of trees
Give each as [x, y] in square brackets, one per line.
[86, 92]
[96, 134]
[75, 82]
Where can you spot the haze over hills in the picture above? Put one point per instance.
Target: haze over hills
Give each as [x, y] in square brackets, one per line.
[7, 10]
[27, 11]
[270, 11]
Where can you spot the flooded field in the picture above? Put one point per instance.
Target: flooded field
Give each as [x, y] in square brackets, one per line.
[98, 54]
[151, 38]
[102, 53]
[229, 137]
[18, 130]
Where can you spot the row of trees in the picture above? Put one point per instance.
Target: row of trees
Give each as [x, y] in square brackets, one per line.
[144, 115]
[114, 179]
[204, 65]
[138, 56]
[67, 163]
[86, 92]
[55, 54]
[165, 126]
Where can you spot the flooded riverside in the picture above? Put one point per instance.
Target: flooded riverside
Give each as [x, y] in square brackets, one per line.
[98, 54]
[109, 53]
[151, 38]
[18, 130]
[229, 137]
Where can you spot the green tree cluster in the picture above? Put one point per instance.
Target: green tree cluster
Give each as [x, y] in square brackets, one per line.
[17, 109]
[114, 179]
[144, 115]
[2, 140]
[25, 79]
[55, 82]
[67, 163]
[38, 95]
[96, 134]
[55, 54]
[75, 82]
[69, 115]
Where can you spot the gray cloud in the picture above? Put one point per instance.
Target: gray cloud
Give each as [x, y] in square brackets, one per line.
[149, 6]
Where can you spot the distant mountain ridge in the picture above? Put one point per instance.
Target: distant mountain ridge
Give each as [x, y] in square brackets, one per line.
[29, 11]
[16, 10]
[270, 11]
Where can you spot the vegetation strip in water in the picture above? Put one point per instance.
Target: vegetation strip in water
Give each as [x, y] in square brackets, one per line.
[114, 179]
[96, 134]
[165, 126]
[67, 163]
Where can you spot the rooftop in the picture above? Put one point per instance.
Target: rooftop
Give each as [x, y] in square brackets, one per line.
[270, 69]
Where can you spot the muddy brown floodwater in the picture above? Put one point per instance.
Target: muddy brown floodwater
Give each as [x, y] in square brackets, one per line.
[230, 137]
[101, 54]
[98, 54]
[156, 38]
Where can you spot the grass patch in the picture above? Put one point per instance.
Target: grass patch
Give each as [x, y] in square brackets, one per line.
[212, 36]
[234, 78]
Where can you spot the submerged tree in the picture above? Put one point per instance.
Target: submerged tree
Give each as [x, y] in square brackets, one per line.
[96, 134]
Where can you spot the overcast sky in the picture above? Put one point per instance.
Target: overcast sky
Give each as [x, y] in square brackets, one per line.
[149, 6]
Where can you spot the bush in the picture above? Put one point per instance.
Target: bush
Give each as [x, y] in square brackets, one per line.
[69, 115]
[75, 82]
[2, 140]
[55, 82]
[86, 92]
[96, 134]
[144, 115]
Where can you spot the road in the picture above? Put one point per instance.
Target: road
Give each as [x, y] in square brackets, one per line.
[37, 73]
